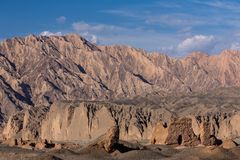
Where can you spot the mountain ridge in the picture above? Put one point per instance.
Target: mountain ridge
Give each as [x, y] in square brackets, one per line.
[38, 70]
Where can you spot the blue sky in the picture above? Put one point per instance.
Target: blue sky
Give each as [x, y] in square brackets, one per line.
[175, 27]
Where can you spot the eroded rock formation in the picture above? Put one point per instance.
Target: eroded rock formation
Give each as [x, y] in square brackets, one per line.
[107, 141]
[71, 68]
[64, 88]
[71, 123]
[83, 122]
[178, 132]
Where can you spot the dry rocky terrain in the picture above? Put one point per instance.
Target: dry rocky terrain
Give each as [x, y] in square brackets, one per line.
[62, 97]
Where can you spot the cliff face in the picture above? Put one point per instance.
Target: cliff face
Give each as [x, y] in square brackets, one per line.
[73, 122]
[82, 122]
[41, 70]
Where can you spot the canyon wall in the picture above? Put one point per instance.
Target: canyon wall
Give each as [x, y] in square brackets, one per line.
[82, 122]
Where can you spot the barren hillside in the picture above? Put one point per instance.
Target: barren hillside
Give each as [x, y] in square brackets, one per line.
[39, 70]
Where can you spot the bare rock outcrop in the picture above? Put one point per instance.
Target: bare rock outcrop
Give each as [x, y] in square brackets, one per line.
[74, 122]
[12, 142]
[192, 131]
[107, 141]
[40, 145]
[160, 133]
[85, 121]
[178, 132]
[206, 135]
[25, 124]
[135, 123]
[82, 122]
[228, 144]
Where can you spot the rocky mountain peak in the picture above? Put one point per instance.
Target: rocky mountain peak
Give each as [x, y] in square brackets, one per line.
[197, 55]
[230, 53]
[39, 70]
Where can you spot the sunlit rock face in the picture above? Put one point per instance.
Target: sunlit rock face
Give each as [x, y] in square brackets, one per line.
[64, 88]
[84, 122]
[39, 70]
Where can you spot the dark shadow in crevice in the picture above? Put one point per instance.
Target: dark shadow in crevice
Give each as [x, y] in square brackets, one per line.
[81, 69]
[122, 148]
[179, 140]
[142, 78]
[17, 95]
[27, 93]
[165, 125]
[217, 141]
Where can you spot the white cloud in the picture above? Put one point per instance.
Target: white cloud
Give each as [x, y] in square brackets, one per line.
[111, 34]
[175, 19]
[150, 40]
[197, 43]
[61, 19]
[90, 37]
[124, 13]
[48, 33]
[80, 26]
[235, 46]
[228, 5]
[169, 50]
[83, 27]
[94, 39]
[185, 30]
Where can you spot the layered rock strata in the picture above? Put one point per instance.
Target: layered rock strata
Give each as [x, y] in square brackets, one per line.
[82, 122]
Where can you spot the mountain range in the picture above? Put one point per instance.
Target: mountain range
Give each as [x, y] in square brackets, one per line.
[38, 70]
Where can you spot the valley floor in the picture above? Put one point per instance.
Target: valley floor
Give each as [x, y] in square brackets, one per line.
[152, 152]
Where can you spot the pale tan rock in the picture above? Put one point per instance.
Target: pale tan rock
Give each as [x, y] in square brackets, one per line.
[44, 144]
[57, 146]
[11, 142]
[82, 122]
[206, 136]
[26, 146]
[228, 144]
[234, 124]
[40, 145]
[13, 126]
[107, 141]
[110, 139]
[136, 124]
[14, 142]
[160, 134]
[180, 132]
[24, 125]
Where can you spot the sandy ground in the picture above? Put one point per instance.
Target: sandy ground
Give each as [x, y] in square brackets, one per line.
[149, 153]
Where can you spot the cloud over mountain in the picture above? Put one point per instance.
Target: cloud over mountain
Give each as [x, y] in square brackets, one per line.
[48, 33]
[235, 46]
[197, 43]
[61, 19]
